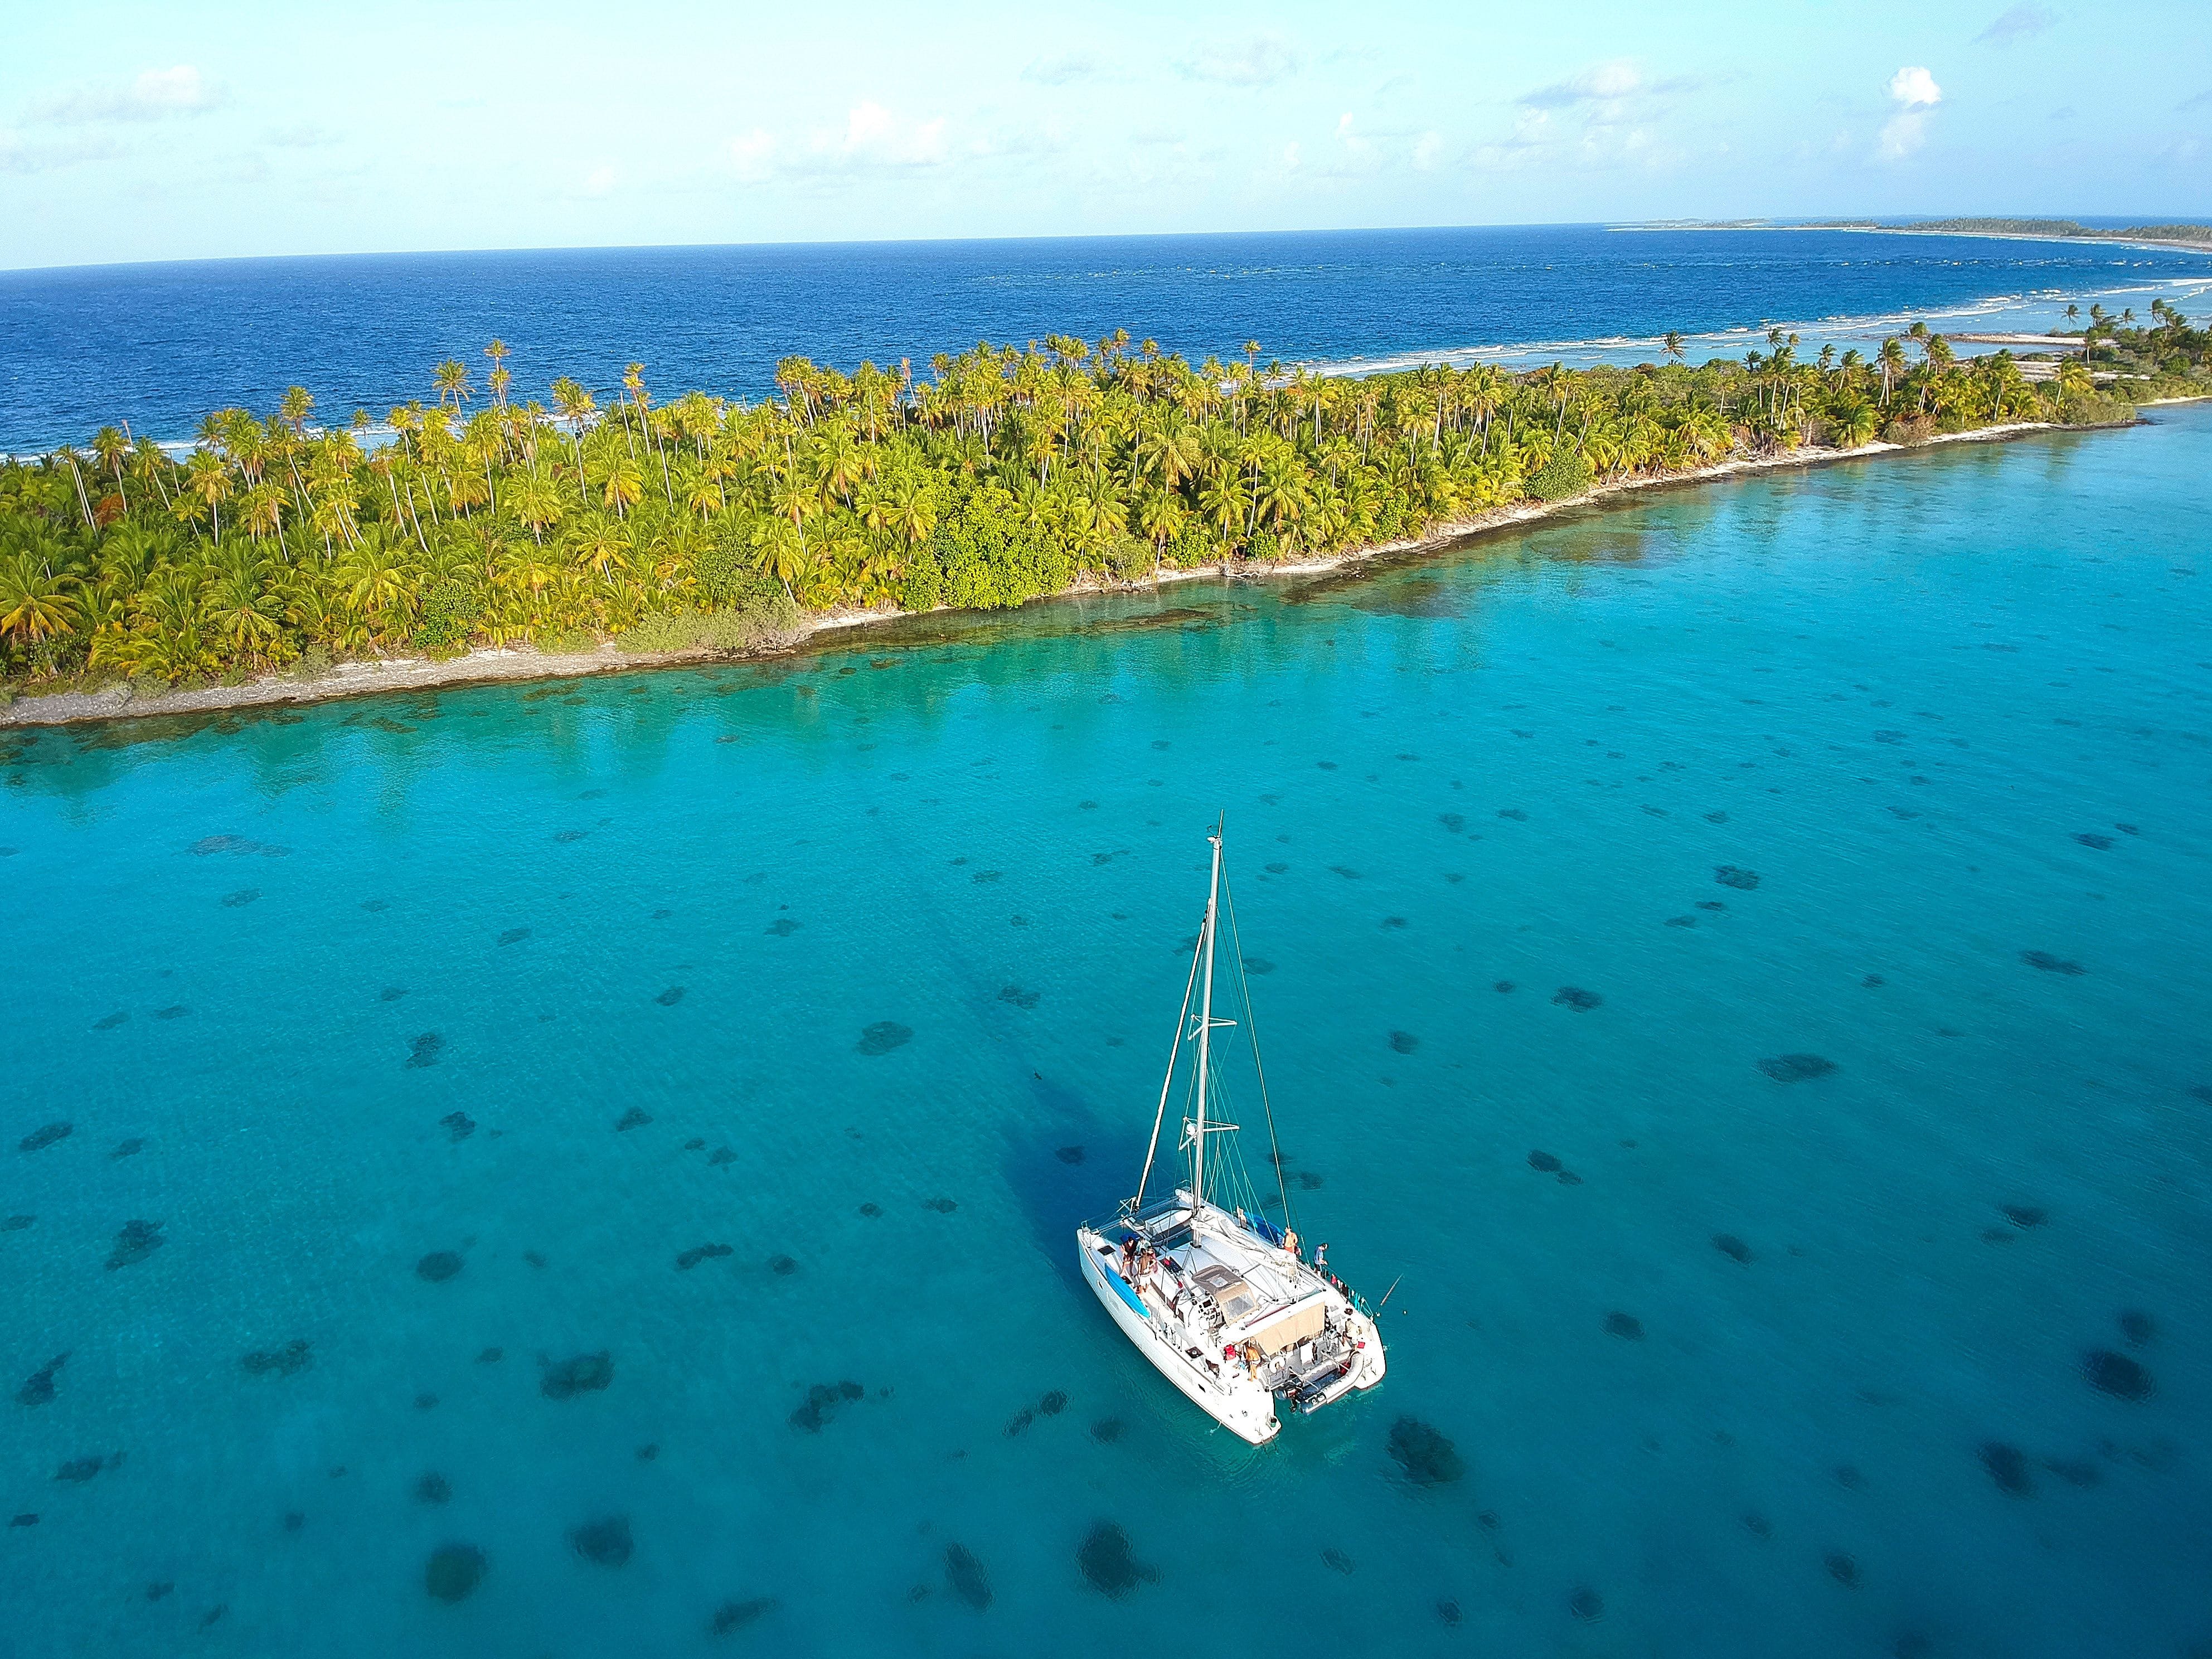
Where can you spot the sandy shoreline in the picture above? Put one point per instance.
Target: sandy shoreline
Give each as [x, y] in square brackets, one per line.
[490, 665]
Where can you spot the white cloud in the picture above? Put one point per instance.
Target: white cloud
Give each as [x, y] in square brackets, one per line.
[1291, 157]
[155, 95]
[1915, 88]
[1080, 63]
[752, 156]
[1358, 150]
[303, 135]
[873, 136]
[1903, 134]
[1605, 82]
[16, 156]
[873, 139]
[1258, 60]
[2020, 23]
[1428, 149]
[599, 181]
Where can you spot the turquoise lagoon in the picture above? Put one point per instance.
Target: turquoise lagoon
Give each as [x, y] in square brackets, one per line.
[876, 950]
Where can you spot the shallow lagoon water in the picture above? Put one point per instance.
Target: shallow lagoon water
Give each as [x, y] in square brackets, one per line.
[1900, 767]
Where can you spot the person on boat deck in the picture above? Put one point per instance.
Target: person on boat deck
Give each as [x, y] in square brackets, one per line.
[1128, 1258]
[1290, 1242]
[1321, 1257]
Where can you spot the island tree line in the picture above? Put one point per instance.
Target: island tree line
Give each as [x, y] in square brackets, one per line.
[469, 518]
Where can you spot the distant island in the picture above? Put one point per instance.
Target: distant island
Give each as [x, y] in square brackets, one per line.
[280, 546]
[2187, 236]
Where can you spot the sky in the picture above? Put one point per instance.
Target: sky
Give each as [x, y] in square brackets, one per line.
[132, 131]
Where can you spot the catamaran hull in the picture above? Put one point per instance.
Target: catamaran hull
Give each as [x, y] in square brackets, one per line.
[1246, 1411]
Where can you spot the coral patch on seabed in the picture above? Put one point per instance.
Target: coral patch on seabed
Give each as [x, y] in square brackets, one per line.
[78, 1470]
[605, 1542]
[1109, 1565]
[2117, 1375]
[823, 1400]
[38, 1387]
[1732, 1247]
[697, 1253]
[438, 1266]
[965, 1574]
[39, 1139]
[1574, 997]
[293, 1356]
[1427, 1458]
[2007, 1467]
[583, 1373]
[1796, 1068]
[1729, 875]
[735, 1615]
[454, 1571]
[882, 1036]
[137, 1240]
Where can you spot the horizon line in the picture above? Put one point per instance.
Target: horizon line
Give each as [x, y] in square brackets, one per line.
[1741, 223]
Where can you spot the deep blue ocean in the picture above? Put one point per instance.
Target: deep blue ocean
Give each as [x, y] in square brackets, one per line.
[479, 1170]
[159, 345]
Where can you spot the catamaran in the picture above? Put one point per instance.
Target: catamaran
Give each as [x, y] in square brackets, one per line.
[1219, 1296]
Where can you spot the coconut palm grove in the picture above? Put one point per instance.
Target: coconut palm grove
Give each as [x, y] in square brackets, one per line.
[286, 541]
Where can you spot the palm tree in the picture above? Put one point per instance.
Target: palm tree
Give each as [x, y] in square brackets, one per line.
[1892, 357]
[577, 406]
[452, 379]
[111, 446]
[1672, 345]
[622, 484]
[207, 481]
[35, 604]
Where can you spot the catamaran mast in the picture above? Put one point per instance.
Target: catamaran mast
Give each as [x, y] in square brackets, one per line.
[1205, 1035]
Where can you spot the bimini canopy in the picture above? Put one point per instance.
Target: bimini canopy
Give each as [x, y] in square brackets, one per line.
[1292, 1326]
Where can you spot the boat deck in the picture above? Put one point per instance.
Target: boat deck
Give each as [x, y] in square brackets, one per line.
[1224, 1287]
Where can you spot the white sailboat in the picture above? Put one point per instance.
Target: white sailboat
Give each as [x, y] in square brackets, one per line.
[1220, 1298]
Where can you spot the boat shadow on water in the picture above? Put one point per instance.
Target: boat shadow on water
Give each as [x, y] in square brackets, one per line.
[1060, 1163]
